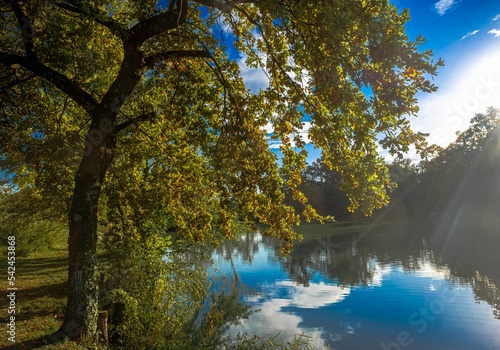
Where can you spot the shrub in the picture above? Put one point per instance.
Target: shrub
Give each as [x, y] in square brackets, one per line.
[35, 229]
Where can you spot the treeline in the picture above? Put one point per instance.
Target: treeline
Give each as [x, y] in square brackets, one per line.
[322, 187]
[460, 182]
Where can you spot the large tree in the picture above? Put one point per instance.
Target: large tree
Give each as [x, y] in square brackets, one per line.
[152, 89]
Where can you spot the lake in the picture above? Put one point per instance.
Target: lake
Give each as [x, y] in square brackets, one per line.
[369, 286]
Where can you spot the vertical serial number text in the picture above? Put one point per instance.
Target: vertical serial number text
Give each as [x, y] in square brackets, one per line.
[11, 289]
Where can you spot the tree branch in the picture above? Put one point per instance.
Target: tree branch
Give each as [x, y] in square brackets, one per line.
[162, 22]
[133, 64]
[26, 29]
[166, 55]
[226, 6]
[75, 92]
[96, 15]
[16, 82]
[144, 117]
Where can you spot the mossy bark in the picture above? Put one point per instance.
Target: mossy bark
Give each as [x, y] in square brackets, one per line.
[81, 317]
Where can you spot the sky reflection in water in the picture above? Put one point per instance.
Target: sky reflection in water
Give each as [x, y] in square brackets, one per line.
[357, 291]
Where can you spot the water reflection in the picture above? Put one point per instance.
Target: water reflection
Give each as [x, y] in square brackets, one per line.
[358, 287]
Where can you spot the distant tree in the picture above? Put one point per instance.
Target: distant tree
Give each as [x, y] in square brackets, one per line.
[405, 188]
[466, 172]
[404, 173]
[119, 111]
[322, 186]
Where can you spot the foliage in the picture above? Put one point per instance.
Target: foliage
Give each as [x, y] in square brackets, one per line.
[467, 167]
[406, 194]
[211, 331]
[162, 301]
[161, 277]
[460, 180]
[319, 67]
[322, 187]
[112, 110]
[23, 215]
[153, 301]
[404, 174]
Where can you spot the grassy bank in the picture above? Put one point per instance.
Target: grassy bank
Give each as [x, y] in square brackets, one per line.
[40, 280]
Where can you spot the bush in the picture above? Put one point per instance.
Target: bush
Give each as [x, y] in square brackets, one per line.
[157, 298]
[35, 229]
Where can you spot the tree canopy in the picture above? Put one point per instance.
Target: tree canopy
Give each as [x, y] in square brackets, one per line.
[135, 115]
[459, 181]
[464, 175]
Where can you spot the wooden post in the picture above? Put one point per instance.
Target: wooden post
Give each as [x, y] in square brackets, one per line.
[102, 327]
[102, 321]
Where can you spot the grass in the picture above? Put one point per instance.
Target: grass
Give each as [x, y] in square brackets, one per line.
[314, 231]
[41, 280]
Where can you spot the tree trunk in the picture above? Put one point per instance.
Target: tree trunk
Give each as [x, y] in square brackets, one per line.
[82, 305]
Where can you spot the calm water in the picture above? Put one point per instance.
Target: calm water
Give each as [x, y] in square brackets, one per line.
[370, 287]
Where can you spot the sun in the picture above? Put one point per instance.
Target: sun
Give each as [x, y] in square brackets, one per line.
[469, 86]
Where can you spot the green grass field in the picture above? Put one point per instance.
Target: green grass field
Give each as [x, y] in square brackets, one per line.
[40, 280]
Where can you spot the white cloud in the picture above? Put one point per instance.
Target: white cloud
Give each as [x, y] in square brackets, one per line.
[474, 32]
[303, 134]
[271, 319]
[467, 87]
[274, 144]
[442, 6]
[495, 32]
[497, 17]
[315, 295]
[255, 78]
[268, 128]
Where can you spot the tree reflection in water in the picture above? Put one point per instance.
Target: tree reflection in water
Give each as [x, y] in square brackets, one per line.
[352, 255]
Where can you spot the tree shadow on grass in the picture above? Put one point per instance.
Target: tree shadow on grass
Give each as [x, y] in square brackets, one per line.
[35, 300]
[33, 343]
[40, 266]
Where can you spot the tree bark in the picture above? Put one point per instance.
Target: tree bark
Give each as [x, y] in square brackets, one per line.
[81, 317]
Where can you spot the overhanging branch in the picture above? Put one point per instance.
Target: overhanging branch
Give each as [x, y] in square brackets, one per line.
[133, 121]
[75, 92]
[162, 22]
[134, 64]
[166, 55]
[95, 15]
[224, 6]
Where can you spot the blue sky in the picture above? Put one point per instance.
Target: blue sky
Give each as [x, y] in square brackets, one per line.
[466, 35]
